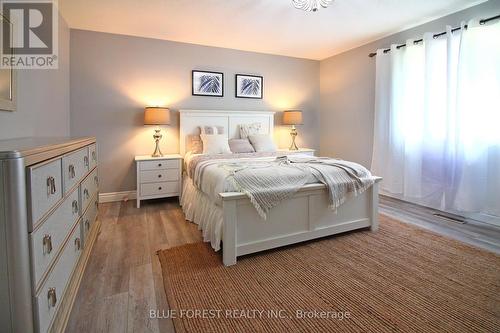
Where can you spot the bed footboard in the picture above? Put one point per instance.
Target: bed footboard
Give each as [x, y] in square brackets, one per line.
[303, 217]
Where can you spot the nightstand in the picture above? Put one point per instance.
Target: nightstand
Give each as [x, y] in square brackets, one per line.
[158, 177]
[303, 151]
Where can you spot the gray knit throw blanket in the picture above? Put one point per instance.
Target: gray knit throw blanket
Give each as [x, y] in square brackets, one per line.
[269, 183]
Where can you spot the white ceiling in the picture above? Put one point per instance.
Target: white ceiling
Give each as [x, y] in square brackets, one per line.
[268, 26]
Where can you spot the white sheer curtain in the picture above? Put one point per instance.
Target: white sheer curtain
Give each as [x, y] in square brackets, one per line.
[437, 120]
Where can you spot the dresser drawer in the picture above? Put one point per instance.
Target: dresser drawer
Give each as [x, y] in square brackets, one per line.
[159, 165]
[47, 240]
[45, 186]
[52, 291]
[159, 176]
[88, 189]
[159, 188]
[88, 219]
[93, 156]
[74, 167]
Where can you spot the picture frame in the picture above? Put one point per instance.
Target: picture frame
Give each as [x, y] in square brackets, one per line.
[205, 83]
[248, 86]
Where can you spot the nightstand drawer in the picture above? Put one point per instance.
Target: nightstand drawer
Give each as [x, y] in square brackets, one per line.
[160, 188]
[159, 176]
[159, 165]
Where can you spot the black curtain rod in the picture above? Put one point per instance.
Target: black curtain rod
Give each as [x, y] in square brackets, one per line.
[483, 21]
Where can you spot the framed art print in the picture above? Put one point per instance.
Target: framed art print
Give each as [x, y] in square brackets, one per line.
[207, 83]
[249, 86]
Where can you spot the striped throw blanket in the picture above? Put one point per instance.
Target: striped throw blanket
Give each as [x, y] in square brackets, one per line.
[269, 181]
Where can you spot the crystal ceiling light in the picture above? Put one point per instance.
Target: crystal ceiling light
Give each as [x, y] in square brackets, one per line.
[311, 5]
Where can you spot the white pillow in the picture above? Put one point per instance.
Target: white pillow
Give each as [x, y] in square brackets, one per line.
[262, 143]
[249, 129]
[215, 144]
[212, 129]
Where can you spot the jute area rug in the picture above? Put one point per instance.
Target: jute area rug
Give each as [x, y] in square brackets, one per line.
[399, 279]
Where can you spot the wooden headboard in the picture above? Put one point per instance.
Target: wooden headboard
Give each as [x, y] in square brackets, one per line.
[191, 120]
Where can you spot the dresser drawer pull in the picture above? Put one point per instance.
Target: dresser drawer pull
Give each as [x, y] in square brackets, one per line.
[94, 157]
[71, 170]
[159, 188]
[52, 297]
[47, 244]
[159, 176]
[86, 193]
[87, 225]
[51, 185]
[78, 244]
[74, 204]
[86, 160]
[159, 164]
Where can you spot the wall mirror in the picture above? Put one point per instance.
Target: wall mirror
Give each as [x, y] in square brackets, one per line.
[7, 77]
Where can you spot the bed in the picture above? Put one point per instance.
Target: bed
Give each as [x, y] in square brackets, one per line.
[230, 218]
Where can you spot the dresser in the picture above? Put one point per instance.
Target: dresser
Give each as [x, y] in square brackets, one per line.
[158, 177]
[48, 224]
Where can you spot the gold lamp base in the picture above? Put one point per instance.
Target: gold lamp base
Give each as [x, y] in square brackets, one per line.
[293, 134]
[157, 136]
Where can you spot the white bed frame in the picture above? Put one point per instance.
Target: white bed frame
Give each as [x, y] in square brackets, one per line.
[303, 217]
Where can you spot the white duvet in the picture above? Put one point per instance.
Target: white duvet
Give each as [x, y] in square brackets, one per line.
[202, 205]
[262, 177]
[215, 179]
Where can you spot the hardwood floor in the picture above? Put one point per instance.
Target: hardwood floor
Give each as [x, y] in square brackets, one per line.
[123, 280]
[475, 233]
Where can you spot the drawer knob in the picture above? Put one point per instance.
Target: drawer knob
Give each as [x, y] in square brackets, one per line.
[51, 185]
[71, 170]
[86, 160]
[87, 225]
[47, 244]
[86, 193]
[159, 188]
[159, 176]
[78, 244]
[159, 164]
[52, 297]
[74, 204]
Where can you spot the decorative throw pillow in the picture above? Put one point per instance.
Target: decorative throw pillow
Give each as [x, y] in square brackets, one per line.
[249, 129]
[215, 144]
[262, 143]
[194, 144]
[212, 129]
[241, 146]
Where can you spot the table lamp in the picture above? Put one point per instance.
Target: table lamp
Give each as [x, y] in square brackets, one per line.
[292, 117]
[155, 115]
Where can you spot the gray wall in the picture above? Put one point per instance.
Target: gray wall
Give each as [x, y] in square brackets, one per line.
[113, 77]
[42, 98]
[347, 84]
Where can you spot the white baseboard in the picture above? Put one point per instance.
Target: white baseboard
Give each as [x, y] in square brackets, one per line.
[117, 196]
